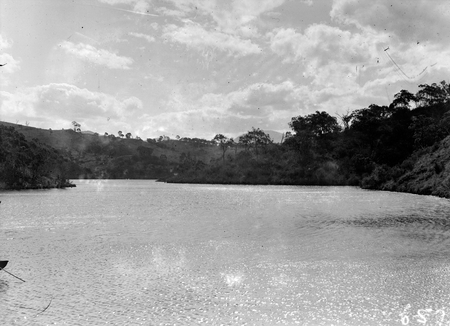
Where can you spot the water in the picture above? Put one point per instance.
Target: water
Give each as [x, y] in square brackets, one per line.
[148, 253]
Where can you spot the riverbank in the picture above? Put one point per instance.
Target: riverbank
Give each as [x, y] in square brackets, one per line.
[45, 185]
[427, 173]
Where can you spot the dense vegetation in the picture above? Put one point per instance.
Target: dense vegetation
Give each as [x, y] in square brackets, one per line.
[29, 164]
[91, 156]
[376, 147]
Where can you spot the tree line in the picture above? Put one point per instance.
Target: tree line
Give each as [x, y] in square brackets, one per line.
[365, 147]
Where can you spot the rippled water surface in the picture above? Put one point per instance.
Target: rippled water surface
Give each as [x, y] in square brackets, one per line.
[148, 253]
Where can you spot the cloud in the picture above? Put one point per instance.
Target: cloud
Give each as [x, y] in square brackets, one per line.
[10, 65]
[139, 6]
[114, 2]
[4, 43]
[149, 38]
[232, 17]
[243, 12]
[164, 11]
[343, 59]
[264, 105]
[61, 103]
[320, 45]
[274, 97]
[98, 56]
[419, 20]
[339, 63]
[195, 36]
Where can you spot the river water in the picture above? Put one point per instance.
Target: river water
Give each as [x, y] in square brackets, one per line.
[148, 253]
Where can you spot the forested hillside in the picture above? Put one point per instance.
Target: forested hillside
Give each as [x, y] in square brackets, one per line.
[109, 157]
[26, 164]
[400, 147]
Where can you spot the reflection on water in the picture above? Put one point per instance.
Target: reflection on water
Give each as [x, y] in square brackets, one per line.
[412, 221]
[3, 286]
[147, 253]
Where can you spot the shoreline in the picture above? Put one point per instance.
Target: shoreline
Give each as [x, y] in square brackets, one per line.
[383, 188]
[39, 187]
[390, 188]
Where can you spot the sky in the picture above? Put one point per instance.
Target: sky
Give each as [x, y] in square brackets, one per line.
[196, 68]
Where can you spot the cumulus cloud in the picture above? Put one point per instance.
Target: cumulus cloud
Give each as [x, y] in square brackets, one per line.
[263, 105]
[98, 56]
[149, 38]
[10, 65]
[164, 11]
[4, 43]
[414, 21]
[263, 95]
[244, 12]
[343, 59]
[339, 63]
[232, 17]
[195, 36]
[320, 45]
[139, 6]
[63, 103]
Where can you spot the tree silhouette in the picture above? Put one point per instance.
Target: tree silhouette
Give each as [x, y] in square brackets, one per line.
[224, 143]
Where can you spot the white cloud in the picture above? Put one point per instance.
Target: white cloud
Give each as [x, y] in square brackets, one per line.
[4, 43]
[232, 17]
[114, 2]
[344, 61]
[10, 65]
[149, 38]
[263, 105]
[411, 21]
[164, 11]
[321, 45]
[98, 56]
[62, 103]
[339, 62]
[275, 96]
[195, 36]
[140, 6]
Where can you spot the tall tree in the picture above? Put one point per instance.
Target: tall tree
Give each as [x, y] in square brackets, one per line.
[318, 124]
[403, 99]
[256, 139]
[312, 134]
[224, 143]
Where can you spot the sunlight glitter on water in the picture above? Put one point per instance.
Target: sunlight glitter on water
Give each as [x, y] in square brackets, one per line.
[146, 253]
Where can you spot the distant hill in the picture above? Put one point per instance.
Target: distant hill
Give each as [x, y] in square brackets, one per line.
[99, 156]
[275, 135]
